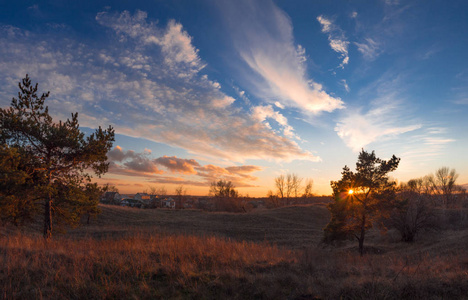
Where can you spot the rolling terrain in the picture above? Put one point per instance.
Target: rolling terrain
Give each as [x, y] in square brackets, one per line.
[292, 227]
[264, 254]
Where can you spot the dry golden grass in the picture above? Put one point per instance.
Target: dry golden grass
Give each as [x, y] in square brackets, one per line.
[128, 254]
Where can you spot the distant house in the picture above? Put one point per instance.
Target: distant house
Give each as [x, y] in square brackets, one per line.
[111, 198]
[132, 203]
[168, 203]
[142, 197]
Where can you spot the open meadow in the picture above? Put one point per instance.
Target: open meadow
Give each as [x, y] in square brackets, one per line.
[131, 253]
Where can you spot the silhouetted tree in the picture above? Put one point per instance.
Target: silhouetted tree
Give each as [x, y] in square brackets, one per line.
[288, 186]
[353, 213]
[280, 185]
[111, 188]
[272, 199]
[226, 196]
[413, 211]
[223, 189]
[308, 189]
[50, 161]
[181, 192]
[443, 184]
[296, 185]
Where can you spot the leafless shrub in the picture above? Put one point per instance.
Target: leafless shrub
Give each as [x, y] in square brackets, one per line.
[413, 214]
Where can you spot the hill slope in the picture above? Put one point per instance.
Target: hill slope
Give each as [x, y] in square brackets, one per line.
[292, 227]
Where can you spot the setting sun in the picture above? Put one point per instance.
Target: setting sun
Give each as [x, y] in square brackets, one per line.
[350, 192]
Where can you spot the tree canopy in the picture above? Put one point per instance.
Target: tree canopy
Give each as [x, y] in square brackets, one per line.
[223, 189]
[47, 164]
[361, 197]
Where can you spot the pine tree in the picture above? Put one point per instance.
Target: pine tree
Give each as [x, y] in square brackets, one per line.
[49, 161]
[361, 198]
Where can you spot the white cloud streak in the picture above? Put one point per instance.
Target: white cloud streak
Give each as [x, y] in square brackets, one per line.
[336, 38]
[262, 113]
[359, 129]
[345, 85]
[369, 49]
[386, 118]
[263, 37]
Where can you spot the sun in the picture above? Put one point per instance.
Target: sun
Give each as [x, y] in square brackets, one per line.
[350, 192]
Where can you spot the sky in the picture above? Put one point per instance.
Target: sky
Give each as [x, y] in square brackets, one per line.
[247, 90]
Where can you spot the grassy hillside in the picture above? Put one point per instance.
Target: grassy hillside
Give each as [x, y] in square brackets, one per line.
[293, 227]
[163, 254]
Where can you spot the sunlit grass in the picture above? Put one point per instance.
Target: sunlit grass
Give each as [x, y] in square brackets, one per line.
[131, 254]
[181, 266]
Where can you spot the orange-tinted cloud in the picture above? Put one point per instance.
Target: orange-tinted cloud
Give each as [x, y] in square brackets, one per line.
[131, 163]
[178, 165]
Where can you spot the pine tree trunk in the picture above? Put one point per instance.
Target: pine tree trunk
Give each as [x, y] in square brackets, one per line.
[361, 245]
[48, 219]
[363, 234]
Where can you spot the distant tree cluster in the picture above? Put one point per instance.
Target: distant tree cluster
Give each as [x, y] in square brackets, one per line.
[413, 212]
[227, 198]
[420, 198]
[44, 165]
[288, 189]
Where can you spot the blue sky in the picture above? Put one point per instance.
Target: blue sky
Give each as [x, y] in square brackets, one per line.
[249, 90]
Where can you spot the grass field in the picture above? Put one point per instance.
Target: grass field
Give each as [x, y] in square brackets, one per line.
[266, 254]
[293, 227]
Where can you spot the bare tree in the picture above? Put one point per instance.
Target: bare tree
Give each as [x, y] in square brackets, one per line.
[226, 197]
[151, 190]
[181, 192]
[308, 188]
[223, 188]
[413, 212]
[280, 185]
[110, 188]
[161, 191]
[296, 185]
[443, 184]
[273, 199]
[287, 187]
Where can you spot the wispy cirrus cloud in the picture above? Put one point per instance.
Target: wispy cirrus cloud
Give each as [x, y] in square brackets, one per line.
[262, 35]
[345, 85]
[146, 81]
[460, 90]
[422, 149]
[358, 129]
[336, 37]
[386, 117]
[368, 48]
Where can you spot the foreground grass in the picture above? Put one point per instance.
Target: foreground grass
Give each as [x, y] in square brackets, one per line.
[165, 266]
